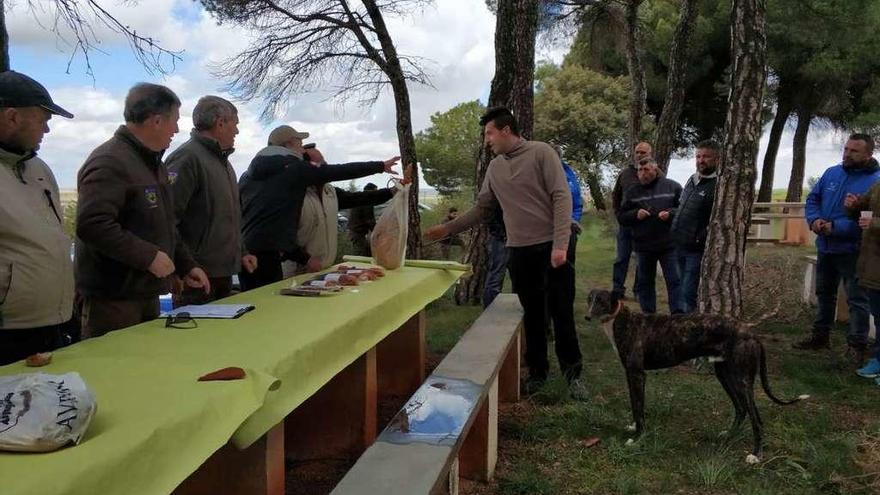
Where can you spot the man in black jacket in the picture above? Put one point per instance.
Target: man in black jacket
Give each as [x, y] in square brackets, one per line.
[361, 221]
[272, 192]
[691, 221]
[627, 178]
[649, 208]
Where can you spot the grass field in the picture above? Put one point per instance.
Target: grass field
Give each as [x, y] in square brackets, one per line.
[829, 444]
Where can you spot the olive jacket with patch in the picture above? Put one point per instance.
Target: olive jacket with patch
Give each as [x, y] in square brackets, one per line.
[124, 216]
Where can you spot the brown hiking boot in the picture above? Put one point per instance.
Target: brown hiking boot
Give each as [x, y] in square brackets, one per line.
[814, 343]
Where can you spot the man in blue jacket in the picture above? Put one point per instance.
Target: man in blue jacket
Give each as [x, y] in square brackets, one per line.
[837, 243]
[577, 202]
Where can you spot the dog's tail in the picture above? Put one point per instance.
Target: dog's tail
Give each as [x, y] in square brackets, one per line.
[765, 382]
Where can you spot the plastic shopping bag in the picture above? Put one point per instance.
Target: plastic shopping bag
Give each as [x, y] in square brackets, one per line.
[388, 241]
[41, 413]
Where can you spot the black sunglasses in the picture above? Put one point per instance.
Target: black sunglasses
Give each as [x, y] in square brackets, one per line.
[181, 320]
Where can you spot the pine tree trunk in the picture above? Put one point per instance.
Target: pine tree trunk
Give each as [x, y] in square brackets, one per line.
[513, 87]
[664, 141]
[405, 136]
[4, 39]
[595, 186]
[783, 111]
[721, 280]
[799, 156]
[639, 92]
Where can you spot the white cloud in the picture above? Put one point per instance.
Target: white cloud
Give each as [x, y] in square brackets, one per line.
[153, 18]
[455, 37]
[824, 149]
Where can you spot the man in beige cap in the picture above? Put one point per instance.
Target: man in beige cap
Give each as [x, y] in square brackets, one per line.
[272, 191]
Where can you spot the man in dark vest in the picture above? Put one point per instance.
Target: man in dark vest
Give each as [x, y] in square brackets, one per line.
[691, 221]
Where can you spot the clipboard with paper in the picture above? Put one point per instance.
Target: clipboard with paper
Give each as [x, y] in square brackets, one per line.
[219, 311]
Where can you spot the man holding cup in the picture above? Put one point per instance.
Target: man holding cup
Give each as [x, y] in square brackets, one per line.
[837, 242]
[868, 267]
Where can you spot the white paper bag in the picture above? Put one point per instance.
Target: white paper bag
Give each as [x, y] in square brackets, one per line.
[41, 413]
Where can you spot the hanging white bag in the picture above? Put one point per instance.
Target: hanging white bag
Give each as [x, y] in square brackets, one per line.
[388, 242]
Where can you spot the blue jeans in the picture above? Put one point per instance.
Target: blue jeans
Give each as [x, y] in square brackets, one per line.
[874, 303]
[689, 269]
[497, 268]
[621, 263]
[647, 273]
[831, 269]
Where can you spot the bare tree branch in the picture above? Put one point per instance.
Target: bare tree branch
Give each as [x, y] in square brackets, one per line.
[76, 17]
[306, 45]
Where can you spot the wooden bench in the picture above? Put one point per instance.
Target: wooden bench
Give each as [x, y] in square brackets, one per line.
[781, 223]
[449, 427]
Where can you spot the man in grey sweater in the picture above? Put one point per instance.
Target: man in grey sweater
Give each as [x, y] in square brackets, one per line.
[206, 203]
[527, 180]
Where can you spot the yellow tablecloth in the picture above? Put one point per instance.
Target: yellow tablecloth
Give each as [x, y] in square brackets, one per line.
[156, 424]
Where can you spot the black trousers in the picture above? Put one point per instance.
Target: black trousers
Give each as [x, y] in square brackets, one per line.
[268, 271]
[20, 343]
[543, 289]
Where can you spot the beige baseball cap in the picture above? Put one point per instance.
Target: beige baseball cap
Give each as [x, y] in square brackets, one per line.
[284, 133]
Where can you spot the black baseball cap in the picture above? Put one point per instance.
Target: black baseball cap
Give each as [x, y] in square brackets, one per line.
[18, 90]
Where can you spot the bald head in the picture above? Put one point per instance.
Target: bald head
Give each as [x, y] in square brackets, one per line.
[641, 151]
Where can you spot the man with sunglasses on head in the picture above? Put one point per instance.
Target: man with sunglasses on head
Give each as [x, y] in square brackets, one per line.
[273, 190]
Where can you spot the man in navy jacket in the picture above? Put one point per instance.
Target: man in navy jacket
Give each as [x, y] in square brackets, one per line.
[837, 242]
[648, 208]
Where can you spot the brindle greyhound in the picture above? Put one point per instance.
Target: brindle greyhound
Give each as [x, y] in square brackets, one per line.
[649, 342]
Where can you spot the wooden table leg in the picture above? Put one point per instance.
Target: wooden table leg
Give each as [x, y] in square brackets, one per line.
[257, 470]
[339, 420]
[508, 375]
[479, 453]
[400, 358]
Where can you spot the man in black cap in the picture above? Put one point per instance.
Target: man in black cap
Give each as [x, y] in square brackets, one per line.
[36, 273]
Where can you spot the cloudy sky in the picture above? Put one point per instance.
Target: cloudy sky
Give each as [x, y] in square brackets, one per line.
[456, 36]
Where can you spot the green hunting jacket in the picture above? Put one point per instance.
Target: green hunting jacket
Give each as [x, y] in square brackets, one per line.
[868, 269]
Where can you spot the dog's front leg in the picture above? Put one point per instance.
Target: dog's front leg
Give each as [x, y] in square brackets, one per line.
[635, 378]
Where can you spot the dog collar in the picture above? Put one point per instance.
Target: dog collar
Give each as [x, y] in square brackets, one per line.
[616, 311]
